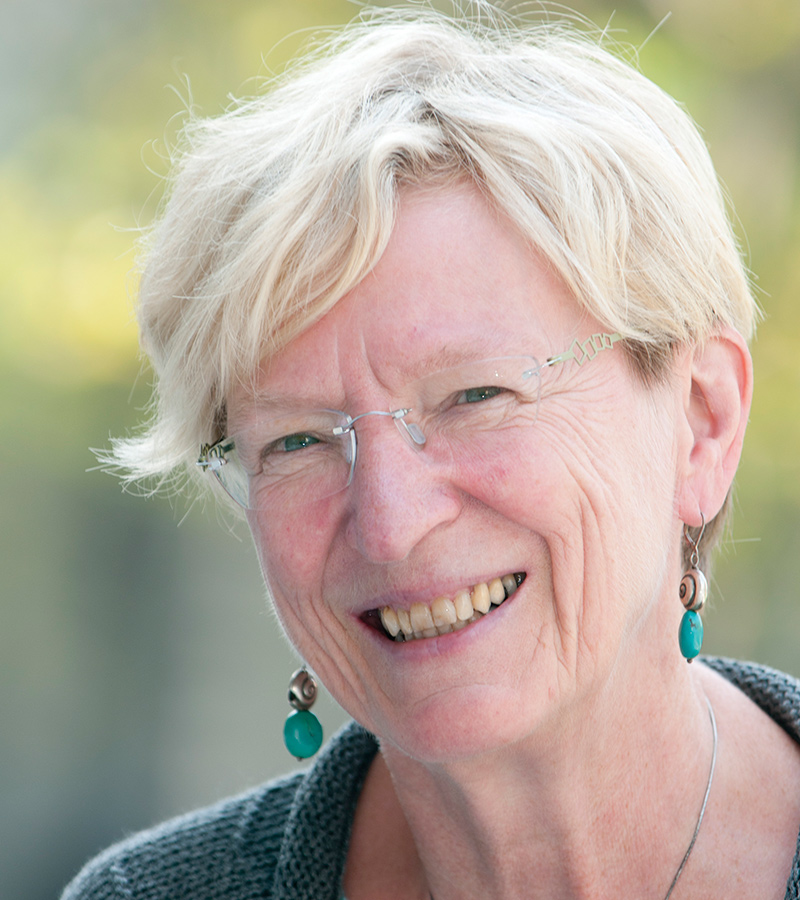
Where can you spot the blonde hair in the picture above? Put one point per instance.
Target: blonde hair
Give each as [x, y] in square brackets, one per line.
[280, 206]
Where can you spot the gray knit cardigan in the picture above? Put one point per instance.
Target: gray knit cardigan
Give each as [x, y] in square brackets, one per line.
[288, 839]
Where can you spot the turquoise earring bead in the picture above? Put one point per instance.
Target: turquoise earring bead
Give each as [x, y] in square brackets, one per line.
[302, 734]
[690, 634]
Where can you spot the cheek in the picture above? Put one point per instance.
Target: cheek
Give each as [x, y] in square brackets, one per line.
[291, 552]
[291, 548]
[514, 480]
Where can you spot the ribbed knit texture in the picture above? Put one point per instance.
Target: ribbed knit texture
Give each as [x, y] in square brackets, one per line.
[285, 840]
[288, 839]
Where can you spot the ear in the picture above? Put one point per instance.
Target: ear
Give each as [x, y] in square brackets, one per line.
[718, 388]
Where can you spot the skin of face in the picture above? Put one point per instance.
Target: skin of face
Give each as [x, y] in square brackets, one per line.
[584, 502]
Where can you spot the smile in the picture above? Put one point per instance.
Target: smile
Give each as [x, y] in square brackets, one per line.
[445, 614]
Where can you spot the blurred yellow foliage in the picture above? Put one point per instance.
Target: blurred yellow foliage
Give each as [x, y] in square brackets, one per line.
[63, 307]
[738, 34]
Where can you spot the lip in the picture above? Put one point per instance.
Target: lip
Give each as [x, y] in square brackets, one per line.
[377, 632]
[404, 598]
[455, 641]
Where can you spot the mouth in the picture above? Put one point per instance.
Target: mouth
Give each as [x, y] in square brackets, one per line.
[445, 614]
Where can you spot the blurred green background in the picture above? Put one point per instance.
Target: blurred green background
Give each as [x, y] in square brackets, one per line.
[141, 672]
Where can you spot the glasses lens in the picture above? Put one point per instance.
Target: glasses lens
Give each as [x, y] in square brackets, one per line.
[478, 398]
[287, 459]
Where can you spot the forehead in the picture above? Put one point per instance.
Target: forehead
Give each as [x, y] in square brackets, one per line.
[456, 282]
[452, 261]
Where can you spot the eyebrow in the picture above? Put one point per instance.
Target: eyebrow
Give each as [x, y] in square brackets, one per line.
[261, 401]
[450, 358]
[453, 357]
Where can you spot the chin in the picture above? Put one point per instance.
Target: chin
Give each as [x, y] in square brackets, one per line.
[446, 730]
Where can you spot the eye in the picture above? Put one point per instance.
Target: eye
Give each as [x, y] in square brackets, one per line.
[295, 442]
[478, 394]
[273, 452]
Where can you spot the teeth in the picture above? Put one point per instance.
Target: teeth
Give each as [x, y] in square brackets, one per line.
[390, 621]
[497, 593]
[405, 621]
[421, 618]
[481, 600]
[463, 605]
[445, 615]
[443, 612]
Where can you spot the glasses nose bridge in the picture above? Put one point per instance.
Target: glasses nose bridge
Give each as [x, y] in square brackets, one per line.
[394, 414]
[409, 430]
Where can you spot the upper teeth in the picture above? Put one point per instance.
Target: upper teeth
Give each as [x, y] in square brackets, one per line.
[447, 614]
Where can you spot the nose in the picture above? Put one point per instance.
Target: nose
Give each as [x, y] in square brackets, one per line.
[398, 495]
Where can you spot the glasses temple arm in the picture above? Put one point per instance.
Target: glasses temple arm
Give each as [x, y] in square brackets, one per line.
[585, 351]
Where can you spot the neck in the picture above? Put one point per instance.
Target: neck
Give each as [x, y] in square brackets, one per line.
[593, 808]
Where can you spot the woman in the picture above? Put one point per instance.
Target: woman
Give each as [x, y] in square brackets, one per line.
[458, 320]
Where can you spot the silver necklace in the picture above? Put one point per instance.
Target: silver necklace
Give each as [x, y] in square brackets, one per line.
[689, 849]
[702, 808]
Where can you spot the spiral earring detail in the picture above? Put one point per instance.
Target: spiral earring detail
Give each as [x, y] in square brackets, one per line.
[693, 593]
[302, 732]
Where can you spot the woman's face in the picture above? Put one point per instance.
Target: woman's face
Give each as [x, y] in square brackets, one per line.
[581, 502]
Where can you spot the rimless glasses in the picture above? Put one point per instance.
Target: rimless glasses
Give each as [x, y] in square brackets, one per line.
[298, 457]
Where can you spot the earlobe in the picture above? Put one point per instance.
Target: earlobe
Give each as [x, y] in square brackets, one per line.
[716, 405]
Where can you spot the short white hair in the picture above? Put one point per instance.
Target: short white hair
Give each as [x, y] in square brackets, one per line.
[279, 207]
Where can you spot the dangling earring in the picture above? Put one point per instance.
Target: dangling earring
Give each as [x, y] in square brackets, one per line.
[693, 593]
[302, 732]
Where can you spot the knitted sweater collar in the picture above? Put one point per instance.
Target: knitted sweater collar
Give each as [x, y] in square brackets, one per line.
[314, 847]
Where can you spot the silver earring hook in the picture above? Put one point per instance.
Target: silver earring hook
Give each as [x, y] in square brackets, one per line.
[694, 559]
